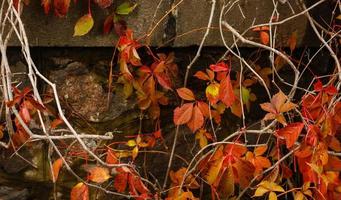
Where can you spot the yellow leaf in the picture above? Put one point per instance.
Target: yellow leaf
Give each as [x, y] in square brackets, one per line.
[260, 191]
[201, 137]
[214, 170]
[227, 183]
[135, 152]
[272, 196]
[83, 25]
[212, 92]
[271, 186]
[299, 196]
[131, 143]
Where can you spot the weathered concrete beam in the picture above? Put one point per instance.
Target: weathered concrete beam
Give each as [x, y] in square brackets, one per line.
[187, 23]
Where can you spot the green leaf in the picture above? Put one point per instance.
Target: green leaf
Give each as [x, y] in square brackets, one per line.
[125, 8]
[83, 25]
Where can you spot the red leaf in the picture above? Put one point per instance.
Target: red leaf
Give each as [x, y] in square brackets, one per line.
[226, 94]
[197, 119]
[186, 94]
[139, 185]
[291, 133]
[104, 3]
[183, 114]
[219, 67]
[120, 182]
[25, 114]
[108, 24]
[120, 27]
[164, 80]
[80, 192]
[318, 86]
[46, 5]
[61, 7]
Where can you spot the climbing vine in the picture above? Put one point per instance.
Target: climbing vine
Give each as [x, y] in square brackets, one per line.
[294, 152]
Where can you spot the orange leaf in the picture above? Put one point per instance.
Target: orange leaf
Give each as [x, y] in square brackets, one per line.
[226, 94]
[79, 192]
[291, 133]
[46, 5]
[334, 164]
[56, 122]
[245, 171]
[264, 37]
[201, 75]
[292, 41]
[260, 150]
[183, 114]
[186, 94]
[204, 108]
[111, 157]
[197, 119]
[98, 174]
[56, 166]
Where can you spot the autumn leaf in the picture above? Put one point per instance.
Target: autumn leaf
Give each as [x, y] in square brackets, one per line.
[264, 37]
[226, 93]
[277, 106]
[290, 133]
[226, 185]
[292, 41]
[56, 122]
[98, 174]
[203, 137]
[202, 76]
[266, 186]
[197, 119]
[79, 192]
[213, 171]
[183, 114]
[61, 7]
[111, 157]
[46, 4]
[108, 24]
[212, 92]
[83, 25]
[125, 8]
[220, 67]
[104, 3]
[120, 181]
[56, 166]
[186, 94]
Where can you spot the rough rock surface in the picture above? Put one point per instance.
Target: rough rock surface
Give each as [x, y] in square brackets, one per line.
[82, 92]
[189, 17]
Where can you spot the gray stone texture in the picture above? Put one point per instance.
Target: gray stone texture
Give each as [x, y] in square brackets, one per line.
[191, 16]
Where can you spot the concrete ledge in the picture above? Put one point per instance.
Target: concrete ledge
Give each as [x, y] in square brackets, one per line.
[187, 22]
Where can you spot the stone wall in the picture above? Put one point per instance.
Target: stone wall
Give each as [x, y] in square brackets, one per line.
[187, 22]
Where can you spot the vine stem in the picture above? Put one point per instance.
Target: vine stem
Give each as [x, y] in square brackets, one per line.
[213, 6]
